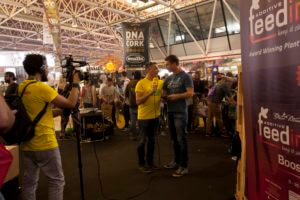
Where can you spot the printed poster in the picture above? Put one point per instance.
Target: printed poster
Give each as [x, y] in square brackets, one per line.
[270, 31]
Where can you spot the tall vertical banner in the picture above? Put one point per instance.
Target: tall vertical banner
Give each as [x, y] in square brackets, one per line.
[52, 15]
[271, 77]
[136, 44]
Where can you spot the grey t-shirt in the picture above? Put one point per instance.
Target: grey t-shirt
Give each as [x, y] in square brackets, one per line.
[108, 92]
[176, 84]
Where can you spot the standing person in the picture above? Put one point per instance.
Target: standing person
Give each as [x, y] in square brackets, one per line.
[177, 89]
[61, 85]
[12, 88]
[148, 95]
[108, 95]
[125, 81]
[133, 108]
[214, 102]
[42, 152]
[88, 95]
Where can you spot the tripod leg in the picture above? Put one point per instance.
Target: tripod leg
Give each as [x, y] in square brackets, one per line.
[78, 139]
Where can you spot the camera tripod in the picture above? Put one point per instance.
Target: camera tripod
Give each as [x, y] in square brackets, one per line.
[77, 128]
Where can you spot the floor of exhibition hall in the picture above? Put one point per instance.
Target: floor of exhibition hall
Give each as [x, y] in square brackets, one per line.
[212, 172]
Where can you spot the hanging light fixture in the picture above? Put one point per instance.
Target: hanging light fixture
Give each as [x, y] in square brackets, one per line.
[134, 2]
[98, 45]
[25, 10]
[39, 36]
[74, 22]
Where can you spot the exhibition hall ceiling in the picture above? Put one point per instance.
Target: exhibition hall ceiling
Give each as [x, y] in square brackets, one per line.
[89, 28]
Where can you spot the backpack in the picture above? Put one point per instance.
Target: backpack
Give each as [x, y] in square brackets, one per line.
[23, 128]
[132, 95]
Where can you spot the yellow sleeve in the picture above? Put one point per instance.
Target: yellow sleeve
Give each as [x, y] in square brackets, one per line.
[139, 87]
[48, 94]
[160, 84]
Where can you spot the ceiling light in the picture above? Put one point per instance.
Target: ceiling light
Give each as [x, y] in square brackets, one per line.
[134, 2]
[98, 45]
[39, 36]
[25, 10]
[74, 22]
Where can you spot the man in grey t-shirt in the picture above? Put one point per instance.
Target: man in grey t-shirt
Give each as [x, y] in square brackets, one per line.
[108, 95]
[177, 89]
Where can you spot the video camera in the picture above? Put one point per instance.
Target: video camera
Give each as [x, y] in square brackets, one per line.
[71, 66]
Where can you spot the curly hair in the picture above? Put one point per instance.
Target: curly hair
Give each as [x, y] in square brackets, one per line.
[33, 63]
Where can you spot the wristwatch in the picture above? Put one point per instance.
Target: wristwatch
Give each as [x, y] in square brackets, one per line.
[75, 85]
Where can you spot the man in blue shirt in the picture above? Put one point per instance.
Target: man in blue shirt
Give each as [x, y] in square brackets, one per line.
[177, 88]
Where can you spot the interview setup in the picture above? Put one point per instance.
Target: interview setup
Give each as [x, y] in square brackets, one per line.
[149, 100]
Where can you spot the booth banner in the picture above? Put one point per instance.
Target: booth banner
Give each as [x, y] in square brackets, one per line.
[271, 75]
[53, 20]
[136, 44]
[47, 37]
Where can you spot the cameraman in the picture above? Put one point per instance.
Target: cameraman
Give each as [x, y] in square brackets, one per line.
[42, 151]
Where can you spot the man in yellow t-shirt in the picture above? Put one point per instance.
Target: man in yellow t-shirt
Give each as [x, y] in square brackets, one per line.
[148, 95]
[41, 152]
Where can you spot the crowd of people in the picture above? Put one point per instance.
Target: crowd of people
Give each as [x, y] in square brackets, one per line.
[150, 104]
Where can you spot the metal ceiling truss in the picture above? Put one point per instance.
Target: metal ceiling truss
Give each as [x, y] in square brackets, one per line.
[87, 26]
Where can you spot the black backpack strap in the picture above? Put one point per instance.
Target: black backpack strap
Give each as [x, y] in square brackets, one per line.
[43, 111]
[23, 91]
[40, 115]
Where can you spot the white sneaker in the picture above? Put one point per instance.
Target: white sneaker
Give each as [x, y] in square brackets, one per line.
[171, 165]
[180, 172]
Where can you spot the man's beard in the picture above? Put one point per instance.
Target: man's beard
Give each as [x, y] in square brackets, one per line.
[7, 81]
[44, 77]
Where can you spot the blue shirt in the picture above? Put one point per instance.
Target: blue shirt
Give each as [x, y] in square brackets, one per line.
[177, 84]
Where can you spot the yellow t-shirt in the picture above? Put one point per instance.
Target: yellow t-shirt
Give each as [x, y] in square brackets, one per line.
[151, 108]
[34, 100]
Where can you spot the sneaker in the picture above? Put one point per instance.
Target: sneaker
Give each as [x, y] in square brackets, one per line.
[145, 170]
[225, 135]
[154, 167]
[171, 165]
[133, 138]
[234, 158]
[180, 172]
[163, 133]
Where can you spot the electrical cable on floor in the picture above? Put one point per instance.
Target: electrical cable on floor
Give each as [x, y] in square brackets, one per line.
[99, 168]
[101, 183]
[157, 140]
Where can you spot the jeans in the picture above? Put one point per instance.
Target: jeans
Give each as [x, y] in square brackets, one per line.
[49, 162]
[178, 132]
[133, 120]
[148, 130]
[214, 110]
[190, 117]
[126, 115]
